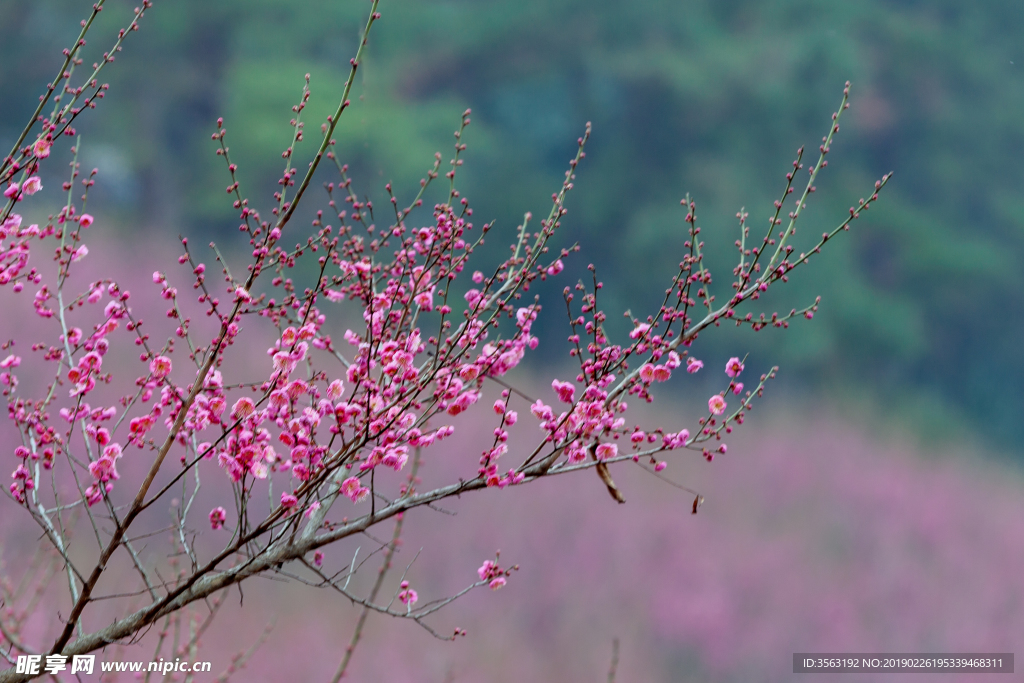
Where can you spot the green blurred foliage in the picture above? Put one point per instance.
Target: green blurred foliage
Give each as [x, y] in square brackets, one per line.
[707, 97]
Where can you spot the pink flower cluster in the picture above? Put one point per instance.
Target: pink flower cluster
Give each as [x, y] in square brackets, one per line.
[493, 574]
[407, 596]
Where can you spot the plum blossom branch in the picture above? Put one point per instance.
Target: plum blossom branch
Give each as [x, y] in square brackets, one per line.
[326, 435]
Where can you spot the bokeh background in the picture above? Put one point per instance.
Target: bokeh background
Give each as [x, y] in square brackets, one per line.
[876, 503]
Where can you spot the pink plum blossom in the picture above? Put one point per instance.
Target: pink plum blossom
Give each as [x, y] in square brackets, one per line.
[244, 407]
[647, 372]
[407, 596]
[160, 367]
[662, 373]
[488, 570]
[565, 390]
[716, 404]
[41, 148]
[335, 390]
[541, 410]
[639, 330]
[353, 490]
[32, 185]
[218, 515]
